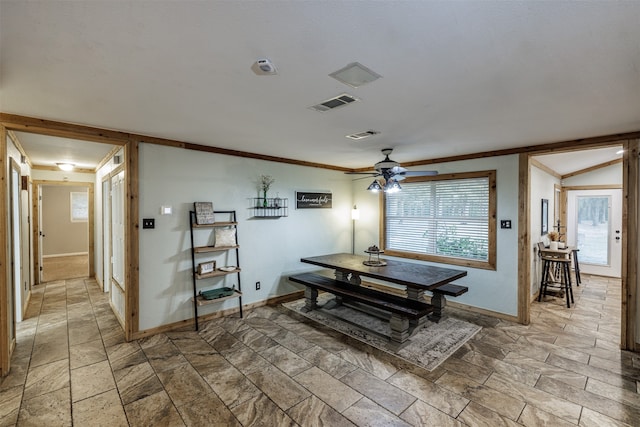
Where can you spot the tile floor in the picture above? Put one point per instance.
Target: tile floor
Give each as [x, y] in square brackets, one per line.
[72, 367]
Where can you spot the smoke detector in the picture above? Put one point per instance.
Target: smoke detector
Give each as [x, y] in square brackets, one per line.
[264, 67]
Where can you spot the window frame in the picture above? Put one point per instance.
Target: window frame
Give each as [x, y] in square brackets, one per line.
[490, 263]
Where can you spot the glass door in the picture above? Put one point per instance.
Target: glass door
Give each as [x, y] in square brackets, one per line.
[594, 228]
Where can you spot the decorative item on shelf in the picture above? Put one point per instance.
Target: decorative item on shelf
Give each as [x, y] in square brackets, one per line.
[554, 236]
[228, 268]
[218, 293]
[374, 257]
[225, 237]
[265, 183]
[206, 267]
[204, 213]
[277, 202]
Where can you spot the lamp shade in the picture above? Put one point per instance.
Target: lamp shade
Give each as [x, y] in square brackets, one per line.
[355, 213]
[375, 186]
[392, 186]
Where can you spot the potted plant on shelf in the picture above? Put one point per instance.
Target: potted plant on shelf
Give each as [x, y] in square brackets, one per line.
[554, 237]
[265, 183]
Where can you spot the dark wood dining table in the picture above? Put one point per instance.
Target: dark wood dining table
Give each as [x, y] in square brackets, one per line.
[415, 277]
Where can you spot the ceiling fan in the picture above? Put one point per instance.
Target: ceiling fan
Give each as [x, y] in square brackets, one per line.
[392, 172]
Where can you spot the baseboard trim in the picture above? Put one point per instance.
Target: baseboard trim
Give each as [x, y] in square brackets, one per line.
[26, 304]
[115, 313]
[483, 311]
[222, 313]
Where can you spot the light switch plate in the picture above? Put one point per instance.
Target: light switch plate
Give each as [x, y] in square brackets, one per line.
[166, 210]
[505, 223]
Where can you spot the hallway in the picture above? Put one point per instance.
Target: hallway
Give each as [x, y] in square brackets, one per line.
[72, 366]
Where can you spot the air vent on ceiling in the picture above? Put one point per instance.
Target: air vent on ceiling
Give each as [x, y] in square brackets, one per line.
[362, 135]
[338, 101]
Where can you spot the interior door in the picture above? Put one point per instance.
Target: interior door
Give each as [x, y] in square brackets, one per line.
[40, 236]
[25, 238]
[594, 226]
[106, 235]
[16, 263]
[117, 223]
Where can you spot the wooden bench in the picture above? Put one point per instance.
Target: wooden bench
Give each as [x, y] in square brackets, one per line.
[439, 301]
[403, 311]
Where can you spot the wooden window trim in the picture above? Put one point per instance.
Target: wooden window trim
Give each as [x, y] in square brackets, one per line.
[490, 264]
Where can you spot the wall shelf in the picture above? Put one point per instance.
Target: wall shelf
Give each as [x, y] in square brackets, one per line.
[269, 208]
[216, 273]
[205, 249]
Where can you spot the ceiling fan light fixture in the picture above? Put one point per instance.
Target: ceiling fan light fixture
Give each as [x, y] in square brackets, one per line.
[67, 167]
[375, 186]
[392, 186]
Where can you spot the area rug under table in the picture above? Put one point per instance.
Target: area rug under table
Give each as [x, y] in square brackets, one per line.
[428, 346]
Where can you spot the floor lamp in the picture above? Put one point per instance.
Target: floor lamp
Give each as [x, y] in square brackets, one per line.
[355, 214]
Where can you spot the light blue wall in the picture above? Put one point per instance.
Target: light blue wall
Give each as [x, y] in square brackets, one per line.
[488, 289]
[270, 249]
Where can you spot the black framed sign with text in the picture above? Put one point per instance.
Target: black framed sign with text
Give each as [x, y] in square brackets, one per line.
[308, 200]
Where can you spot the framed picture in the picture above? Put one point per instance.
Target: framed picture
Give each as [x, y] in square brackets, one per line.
[308, 200]
[206, 267]
[204, 213]
[544, 222]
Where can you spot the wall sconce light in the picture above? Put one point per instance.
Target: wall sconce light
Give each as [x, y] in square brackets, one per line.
[67, 167]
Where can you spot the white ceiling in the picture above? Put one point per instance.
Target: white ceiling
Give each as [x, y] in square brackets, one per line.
[46, 150]
[458, 77]
[565, 163]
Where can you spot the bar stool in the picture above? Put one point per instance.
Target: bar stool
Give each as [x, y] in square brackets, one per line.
[563, 266]
[576, 266]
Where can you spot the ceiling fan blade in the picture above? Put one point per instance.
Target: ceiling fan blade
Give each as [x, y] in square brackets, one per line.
[362, 173]
[419, 173]
[397, 169]
[365, 177]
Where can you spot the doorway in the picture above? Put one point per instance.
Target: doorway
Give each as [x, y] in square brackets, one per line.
[65, 230]
[594, 226]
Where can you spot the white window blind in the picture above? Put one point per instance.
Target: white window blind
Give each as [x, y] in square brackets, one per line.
[440, 217]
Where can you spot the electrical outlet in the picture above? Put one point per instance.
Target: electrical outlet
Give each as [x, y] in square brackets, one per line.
[257, 286]
[148, 223]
